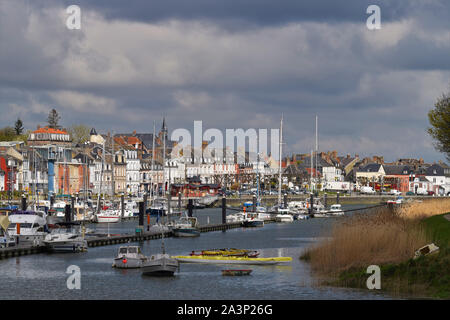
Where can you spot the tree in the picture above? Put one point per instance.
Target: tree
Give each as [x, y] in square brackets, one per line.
[53, 119]
[18, 127]
[80, 133]
[439, 119]
[7, 134]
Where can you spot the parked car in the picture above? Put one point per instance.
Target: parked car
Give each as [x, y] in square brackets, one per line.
[431, 193]
[410, 193]
[395, 192]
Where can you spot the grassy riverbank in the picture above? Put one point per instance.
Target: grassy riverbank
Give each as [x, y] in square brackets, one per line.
[389, 239]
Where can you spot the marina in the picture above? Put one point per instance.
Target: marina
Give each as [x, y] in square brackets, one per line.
[99, 280]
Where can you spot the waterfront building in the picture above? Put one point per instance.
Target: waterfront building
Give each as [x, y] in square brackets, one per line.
[370, 174]
[396, 177]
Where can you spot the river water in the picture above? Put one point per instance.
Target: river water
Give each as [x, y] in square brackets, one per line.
[43, 276]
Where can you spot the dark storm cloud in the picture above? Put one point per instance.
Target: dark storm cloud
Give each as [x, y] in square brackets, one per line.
[232, 64]
[252, 12]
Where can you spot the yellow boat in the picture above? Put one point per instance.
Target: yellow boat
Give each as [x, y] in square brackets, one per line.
[231, 259]
[226, 252]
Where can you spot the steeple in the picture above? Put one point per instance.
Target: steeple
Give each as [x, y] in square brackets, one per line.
[164, 127]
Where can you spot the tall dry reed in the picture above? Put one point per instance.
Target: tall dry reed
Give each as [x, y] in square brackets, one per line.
[424, 209]
[362, 240]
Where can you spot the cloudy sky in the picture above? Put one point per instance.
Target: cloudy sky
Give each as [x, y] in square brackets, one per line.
[232, 64]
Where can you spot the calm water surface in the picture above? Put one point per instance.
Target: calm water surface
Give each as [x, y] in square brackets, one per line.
[43, 276]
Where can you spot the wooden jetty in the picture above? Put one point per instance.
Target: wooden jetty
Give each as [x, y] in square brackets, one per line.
[96, 241]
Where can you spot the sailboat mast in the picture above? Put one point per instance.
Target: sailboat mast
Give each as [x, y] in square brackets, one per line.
[101, 178]
[281, 157]
[164, 162]
[317, 149]
[153, 161]
[311, 175]
[113, 183]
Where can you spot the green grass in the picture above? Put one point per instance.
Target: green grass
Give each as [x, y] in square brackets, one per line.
[438, 228]
[428, 276]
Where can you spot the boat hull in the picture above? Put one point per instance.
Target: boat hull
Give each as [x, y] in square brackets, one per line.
[253, 223]
[107, 219]
[160, 267]
[157, 212]
[236, 272]
[186, 233]
[67, 246]
[232, 260]
[285, 219]
[127, 263]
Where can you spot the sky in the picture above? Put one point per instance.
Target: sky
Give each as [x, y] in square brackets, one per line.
[233, 64]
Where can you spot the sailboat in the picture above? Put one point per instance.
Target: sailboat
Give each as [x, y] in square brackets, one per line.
[283, 213]
[160, 264]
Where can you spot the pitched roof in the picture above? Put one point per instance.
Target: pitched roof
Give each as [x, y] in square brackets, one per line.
[434, 170]
[397, 170]
[50, 130]
[371, 167]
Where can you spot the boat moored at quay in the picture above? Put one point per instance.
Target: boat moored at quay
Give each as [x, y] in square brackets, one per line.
[129, 257]
[29, 227]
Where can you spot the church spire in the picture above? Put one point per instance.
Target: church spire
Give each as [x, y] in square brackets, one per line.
[164, 127]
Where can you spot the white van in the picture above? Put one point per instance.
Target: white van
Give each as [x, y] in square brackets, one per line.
[367, 190]
[422, 191]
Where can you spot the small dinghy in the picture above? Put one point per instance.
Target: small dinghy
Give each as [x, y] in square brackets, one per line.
[238, 272]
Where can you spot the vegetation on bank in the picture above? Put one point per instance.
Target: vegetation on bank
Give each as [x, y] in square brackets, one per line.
[389, 239]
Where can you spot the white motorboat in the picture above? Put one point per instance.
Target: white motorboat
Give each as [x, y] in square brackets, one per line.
[321, 213]
[108, 216]
[297, 207]
[336, 210]
[131, 208]
[185, 227]
[235, 217]
[284, 215]
[129, 257]
[65, 240]
[28, 226]
[252, 220]
[262, 213]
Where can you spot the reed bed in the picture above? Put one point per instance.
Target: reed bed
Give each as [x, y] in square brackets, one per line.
[381, 237]
[425, 209]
